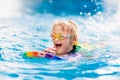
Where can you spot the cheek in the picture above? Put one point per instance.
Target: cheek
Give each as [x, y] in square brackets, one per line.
[67, 43]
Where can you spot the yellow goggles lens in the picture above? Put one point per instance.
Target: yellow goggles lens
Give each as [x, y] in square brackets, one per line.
[59, 36]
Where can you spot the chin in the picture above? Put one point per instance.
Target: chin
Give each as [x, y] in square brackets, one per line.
[60, 52]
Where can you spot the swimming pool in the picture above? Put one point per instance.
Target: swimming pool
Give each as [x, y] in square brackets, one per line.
[28, 32]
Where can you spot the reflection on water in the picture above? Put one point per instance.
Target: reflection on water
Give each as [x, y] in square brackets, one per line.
[24, 32]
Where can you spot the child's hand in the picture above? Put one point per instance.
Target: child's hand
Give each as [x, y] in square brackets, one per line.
[41, 54]
[50, 50]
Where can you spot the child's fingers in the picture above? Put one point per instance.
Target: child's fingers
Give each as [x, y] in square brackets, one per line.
[42, 54]
[51, 50]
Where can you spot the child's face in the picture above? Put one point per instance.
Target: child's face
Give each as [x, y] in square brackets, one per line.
[62, 41]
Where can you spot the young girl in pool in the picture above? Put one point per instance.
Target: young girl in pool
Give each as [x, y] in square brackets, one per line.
[65, 39]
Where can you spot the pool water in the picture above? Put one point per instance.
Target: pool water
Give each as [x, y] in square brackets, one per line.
[30, 31]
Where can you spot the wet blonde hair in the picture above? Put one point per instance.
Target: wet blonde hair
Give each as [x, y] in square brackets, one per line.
[67, 27]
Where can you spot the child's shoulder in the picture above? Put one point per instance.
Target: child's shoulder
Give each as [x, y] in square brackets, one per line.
[83, 49]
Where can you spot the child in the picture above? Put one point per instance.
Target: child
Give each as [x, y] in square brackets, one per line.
[65, 39]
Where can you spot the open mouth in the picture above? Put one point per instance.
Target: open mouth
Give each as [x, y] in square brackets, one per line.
[58, 45]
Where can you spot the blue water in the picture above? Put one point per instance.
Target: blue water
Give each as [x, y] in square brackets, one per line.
[65, 7]
[29, 29]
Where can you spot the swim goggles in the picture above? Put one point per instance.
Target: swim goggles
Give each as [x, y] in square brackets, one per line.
[59, 36]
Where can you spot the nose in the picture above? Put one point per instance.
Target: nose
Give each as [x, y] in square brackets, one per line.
[56, 39]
